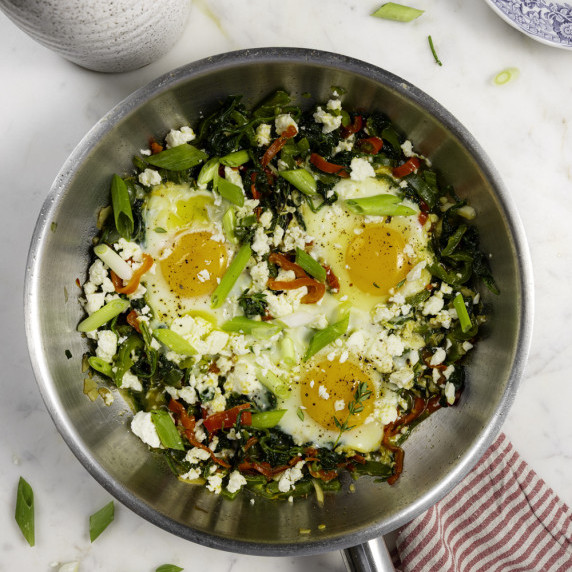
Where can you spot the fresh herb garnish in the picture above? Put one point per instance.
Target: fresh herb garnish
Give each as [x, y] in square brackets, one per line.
[362, 394]
[433, 51]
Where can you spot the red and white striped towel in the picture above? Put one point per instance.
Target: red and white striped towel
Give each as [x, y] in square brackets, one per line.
[501, 518]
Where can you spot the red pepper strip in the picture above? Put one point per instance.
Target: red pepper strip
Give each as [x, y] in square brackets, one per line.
[133, 283]
[277, 145]
[253, 189]
[320, 163]
[323, 475]
[133, 321]
[424, 214]
[353, 128]
[117, 282]
[422, 218]
[227, 419]
[332, 280]
[251, 442]
[188, 423]
[371, 145]
[155, 147]
[411, 165]
[286, 264]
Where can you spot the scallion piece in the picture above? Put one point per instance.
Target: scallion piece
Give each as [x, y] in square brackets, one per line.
[288, 351]
[397, 12]
[114, 261]
[231, 275]
[506, 75]
[168, 434]
[379, 205]
[174, 341]
[301, 179]
[229, 225]
[235, 159]
[433, 51]
[311, 266]
[256, 328]
[208, 172]
[272, 382]
[462, 314]
[324, 337]
[25, 511]
[229, 191]
[121, 207]
[178, 158]
[101, 366]
[100, 520]
[103, 315]
[267, 419]
[168, 568]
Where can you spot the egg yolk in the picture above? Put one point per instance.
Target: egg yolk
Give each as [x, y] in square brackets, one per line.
[195, 264]
[330, 389]
[375, 260]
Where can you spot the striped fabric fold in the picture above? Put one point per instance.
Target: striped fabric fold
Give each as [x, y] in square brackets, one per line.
[501, 518]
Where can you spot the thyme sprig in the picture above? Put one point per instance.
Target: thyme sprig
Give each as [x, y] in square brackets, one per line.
[362, 394]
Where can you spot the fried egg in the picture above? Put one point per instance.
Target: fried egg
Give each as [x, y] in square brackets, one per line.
[184, 236]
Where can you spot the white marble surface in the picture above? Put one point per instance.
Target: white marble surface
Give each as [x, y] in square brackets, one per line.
[48, 104]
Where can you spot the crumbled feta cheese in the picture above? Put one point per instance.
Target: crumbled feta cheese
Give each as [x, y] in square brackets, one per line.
[149, 178]
[243, 379]
[142, 425]
[442, 319]
[323, 392]
[260, 244]
[266, 219]
[128, 250]
[289, 477]
[334, 105]
[263, 134]
[106, 345]
[407, 148]
[330, 122]
[214, 483]
[296, 237]
[438, 357]
[339, 405]
[467, 346]
[203, 275]
[192, 475]
[450, 393]
[94, 302]
[260, 274]
[361, 169]
[177, 137]
[280, 305]
[233, 176]
[196, 455]
[235, 482]
[445, 288]
[97, 273]
[131, 381]
[283, 121]
[402, 378]
[433, 305]
[416, 271]
[345, 145]
[215, 342]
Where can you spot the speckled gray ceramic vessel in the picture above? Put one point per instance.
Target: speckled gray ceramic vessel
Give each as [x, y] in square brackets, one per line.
[102, 35]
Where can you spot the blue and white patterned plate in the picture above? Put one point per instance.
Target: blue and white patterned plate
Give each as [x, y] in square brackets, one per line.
[549, 22]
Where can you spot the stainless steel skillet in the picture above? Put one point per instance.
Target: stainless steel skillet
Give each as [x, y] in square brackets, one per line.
[440, 451]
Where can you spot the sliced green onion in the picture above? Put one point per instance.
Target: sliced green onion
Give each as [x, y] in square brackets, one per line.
[326, 336]
[288, 351]
[231, 275]
[174, 341]
[235, 159]
[168, 568]
[121, 207]
[103, 315]
[114, 261]
[274, 383]
[311, 266]
[433, 51]
[208, 172]
[397, 12]
[256, 328]
[229, 191]
[25, 511]
[462, 314]
[100, 520]
[267, 419]
[379, 205]
[178, 158]
[229, 225]
[168, 434]
[101, 366]
[506, 75]
[301, 179]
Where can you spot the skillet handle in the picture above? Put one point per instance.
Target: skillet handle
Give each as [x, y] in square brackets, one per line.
[371, 556]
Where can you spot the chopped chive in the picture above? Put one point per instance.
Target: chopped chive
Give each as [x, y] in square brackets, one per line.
[300, 414]
[379, 205]
[229, 225]
[121, 207]
[397, 12]
[311, 266]
[256, 328]
[208, 171]
[229, 191]
[25, 511]
[168, 434]
[506, 75]
[159, 230]
[103, 315]
[168, 568]
[235, 159]
[101, 366]
[301, 179]
[178, 158]
[326, 336]
[114, 261]
[231, 275]
[267, 419]
[274, 383]
[100, 520]
[433, 51]
[174, 341]
[462, 314]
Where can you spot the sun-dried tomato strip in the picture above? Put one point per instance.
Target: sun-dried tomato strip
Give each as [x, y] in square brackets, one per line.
[332, 280]
[316, 290]
[133, 320]
[322, 474]
[277, 145]
[282, 261]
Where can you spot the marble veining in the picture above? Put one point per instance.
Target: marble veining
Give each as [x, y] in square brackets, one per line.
[47, 104]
